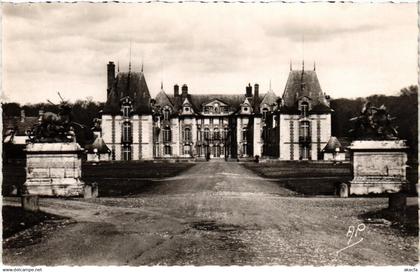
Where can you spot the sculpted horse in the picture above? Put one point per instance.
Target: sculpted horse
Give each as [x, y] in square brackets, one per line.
[373, 123]
[53, 127]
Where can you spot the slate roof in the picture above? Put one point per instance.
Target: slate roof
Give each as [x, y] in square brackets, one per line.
[99, 144]
[133, 85]
[304, 83]
[269, 98]
[162, 99]
[234, 101]
[332, 145]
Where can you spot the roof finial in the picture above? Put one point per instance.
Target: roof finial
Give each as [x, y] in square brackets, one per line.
[142, 66]
[290, 65]
[161, 85]
[270, 84]
[303, 65]
[314, 66]
[118, 66]
[129, 63]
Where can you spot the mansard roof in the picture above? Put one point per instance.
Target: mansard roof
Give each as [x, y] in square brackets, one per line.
[133, 85]
[304, 83]
[234, 101]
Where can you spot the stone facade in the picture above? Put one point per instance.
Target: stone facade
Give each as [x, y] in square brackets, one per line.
[295, 126]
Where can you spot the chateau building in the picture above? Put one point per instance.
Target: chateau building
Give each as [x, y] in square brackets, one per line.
[180, 123]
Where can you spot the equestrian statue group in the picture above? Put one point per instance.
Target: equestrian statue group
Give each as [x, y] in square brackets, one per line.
[55, 127]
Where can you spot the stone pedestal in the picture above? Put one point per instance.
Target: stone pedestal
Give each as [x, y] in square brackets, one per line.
[378, 166]
[53, 169]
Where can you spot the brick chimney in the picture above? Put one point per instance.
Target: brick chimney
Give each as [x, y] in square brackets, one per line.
[184, 90]
[248, 90]
[176, 90]
[22, 115]
[256, 90]
[111, 76]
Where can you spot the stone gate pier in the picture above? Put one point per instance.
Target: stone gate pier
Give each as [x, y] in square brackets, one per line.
[379, 166]
[54, 169]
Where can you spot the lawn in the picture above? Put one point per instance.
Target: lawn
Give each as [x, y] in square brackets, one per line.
[129, 178]
[306, 177]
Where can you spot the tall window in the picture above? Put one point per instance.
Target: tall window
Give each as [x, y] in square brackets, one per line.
[304, 129]
[127, 153]
[167, 150]
[187, 134]
[304, 153]
[166, 113]
[225, 134]
[264, 113]
[244, 134]
[187, 149]
[126, 132]
[167, 135]
[126, 111]
[206, 134]
[216, 134]
[304, 107]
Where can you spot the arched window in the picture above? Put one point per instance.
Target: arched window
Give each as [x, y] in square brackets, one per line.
[167, 135]
[126, 137]
[304, 108]
[216, 108]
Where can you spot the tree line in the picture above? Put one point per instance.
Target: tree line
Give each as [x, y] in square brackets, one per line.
[403, 107]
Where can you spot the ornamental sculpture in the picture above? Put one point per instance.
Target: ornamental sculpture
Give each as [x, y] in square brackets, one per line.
[373, 124]
[52, 127]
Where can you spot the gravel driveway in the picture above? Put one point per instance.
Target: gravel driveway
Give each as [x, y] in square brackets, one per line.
[215, 213]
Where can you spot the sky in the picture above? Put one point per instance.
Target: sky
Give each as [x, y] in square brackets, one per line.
[359, 49]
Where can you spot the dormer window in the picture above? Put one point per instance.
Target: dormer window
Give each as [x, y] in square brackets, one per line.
[304, 108]
[264, 113]
[166, 114]
[126, 109]
[216, 108]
